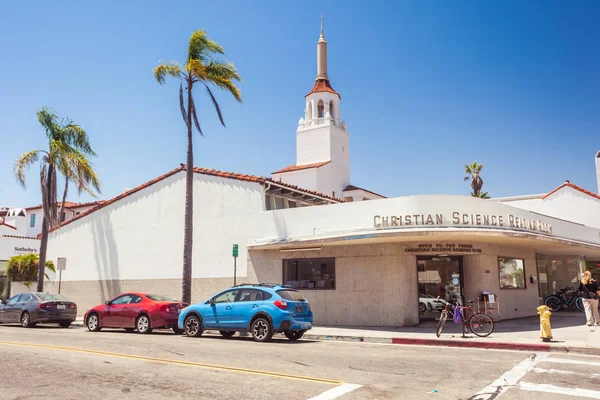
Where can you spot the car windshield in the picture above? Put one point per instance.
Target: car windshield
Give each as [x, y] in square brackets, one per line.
[51, 297]
[158, 297]
[291, 295]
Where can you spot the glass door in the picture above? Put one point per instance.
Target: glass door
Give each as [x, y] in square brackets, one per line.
[438, 277]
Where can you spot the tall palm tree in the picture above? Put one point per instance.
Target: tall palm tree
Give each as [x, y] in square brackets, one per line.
[67, 155]
[202, 67]
[472, 171]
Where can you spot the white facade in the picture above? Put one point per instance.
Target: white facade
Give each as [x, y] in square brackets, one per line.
[36, 216]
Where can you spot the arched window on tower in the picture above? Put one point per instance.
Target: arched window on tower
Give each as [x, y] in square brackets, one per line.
[321, 109]
[309, 116]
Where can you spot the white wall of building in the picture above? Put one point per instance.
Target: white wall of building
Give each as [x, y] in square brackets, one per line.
[567, 203]
[36, 228]
[303, 178]
[140, 237]
[14, 246]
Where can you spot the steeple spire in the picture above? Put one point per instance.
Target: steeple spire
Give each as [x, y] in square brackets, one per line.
[322, 55]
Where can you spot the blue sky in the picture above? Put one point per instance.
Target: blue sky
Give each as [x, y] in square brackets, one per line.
[426, 87]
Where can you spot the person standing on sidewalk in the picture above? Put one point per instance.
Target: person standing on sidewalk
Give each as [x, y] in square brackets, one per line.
[589, 290]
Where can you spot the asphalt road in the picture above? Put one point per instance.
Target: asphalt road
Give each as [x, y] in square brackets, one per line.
[54, 363]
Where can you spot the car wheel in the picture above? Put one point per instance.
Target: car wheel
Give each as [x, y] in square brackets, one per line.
[177, 330]
[93, 323]
[227, 334]
[429, 307]
[65, 324]
[294, 335]
[261, 330]
[193, 326]
[26, 320]
[129, 330]
[422, 307]
[143, 324]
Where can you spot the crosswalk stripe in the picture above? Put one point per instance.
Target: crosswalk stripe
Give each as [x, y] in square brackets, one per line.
[562, 371]
[568, 361]
[541, 387]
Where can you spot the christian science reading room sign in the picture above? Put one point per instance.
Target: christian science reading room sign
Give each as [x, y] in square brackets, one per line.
[461, 219]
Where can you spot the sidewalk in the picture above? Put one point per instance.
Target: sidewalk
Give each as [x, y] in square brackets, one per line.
[570, 334]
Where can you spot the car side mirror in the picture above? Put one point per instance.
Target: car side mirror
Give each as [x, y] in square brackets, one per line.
[107, 302]
[212, 302]
[2, 301]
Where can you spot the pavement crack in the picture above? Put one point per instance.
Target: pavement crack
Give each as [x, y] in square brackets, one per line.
[378, 372]
[174, 352]
[299, 363]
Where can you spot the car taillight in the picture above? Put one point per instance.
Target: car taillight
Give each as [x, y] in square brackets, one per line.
[43, 305]
[281, 304]
[168, 308]
[72, 305]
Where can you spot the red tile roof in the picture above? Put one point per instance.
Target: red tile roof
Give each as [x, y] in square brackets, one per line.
[572, 186]
[352, 187]
[301, 167]
[204, 171]
[69, 204]
[20, 237]
[322, 85]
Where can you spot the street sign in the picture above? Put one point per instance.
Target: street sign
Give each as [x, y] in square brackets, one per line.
[235, 250]
[61, 263]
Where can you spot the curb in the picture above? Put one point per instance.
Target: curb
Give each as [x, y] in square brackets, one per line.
[478, 345]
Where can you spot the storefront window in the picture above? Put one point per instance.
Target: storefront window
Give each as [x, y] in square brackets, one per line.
[557, 272]
[512, 273]
[315, 273]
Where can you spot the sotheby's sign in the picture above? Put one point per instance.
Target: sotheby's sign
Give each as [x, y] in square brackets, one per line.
[462, 219]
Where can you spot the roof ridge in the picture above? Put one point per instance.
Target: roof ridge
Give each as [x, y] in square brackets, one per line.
[572, 186]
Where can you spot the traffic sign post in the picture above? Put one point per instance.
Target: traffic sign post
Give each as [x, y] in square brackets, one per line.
[61, 265]
[235, 256]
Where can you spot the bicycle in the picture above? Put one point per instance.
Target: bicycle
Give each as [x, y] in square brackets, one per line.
[564, 299]
[479, 324]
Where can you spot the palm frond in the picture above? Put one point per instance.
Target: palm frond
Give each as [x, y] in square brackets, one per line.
[182, 105]
[23, 164]
[195, 116]
[49, 120]
[163, 70]
[200, 47]
[216, 104]
[196, 69]
[76, 136]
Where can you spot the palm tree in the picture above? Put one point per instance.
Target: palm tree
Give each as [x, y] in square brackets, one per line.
[67, 154]
[472, 171]
[202, 67]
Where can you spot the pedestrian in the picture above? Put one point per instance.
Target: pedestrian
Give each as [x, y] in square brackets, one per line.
[590, 290]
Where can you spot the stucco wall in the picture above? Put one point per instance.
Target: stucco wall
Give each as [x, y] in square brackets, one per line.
[11, 246]
[141, 236]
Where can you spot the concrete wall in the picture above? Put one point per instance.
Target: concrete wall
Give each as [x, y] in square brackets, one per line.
[376, 285]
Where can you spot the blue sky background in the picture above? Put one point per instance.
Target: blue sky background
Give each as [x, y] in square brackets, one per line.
[426, 87]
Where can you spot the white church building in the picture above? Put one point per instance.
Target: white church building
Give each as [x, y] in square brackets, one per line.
[380, 262]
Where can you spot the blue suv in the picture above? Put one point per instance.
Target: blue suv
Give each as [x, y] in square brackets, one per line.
[261, 309]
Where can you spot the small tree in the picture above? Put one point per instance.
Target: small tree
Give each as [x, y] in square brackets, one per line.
[24, 268]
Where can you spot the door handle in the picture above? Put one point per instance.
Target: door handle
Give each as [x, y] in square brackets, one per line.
[228, 307]
[254, 305]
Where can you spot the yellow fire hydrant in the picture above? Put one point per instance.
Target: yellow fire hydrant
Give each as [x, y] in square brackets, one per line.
[545, 330]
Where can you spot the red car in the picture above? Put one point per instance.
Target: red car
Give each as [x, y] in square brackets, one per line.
[135, 311]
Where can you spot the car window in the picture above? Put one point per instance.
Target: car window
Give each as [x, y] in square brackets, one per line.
[13, 299]
[291, 295]
[25, 298]
[125, 299]
[158, 297]
[249, 295]
[262, 295]
[135, 300]
[226, 297]
[51, 297]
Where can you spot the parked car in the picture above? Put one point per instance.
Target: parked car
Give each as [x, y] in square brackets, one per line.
[135, 311]
[429, 303]
[29, 309]
[261, 309]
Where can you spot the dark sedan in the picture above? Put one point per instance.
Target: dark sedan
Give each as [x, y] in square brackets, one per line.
[29, 309]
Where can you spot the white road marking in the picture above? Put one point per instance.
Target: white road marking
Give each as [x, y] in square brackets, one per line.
[509, 378]
[567, 361]
[336, 392]
[561, 371]
[590, 394]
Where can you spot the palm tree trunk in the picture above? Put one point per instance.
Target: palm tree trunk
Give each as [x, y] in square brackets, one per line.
[44, 239]
[186, 282]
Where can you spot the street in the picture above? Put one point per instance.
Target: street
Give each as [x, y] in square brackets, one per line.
[54, 363]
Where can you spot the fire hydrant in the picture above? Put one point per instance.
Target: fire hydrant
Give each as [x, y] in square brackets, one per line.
[545, 330]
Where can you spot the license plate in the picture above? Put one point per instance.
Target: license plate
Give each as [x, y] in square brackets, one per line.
[61, 307]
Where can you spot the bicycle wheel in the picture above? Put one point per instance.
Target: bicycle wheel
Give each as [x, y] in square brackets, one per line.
[481, 325]
[553, 303]
[440, 327]
[579, 304]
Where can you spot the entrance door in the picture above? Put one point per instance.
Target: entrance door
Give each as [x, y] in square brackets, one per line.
[438, 276]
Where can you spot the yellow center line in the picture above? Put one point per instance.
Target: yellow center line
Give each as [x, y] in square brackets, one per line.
[178, 362]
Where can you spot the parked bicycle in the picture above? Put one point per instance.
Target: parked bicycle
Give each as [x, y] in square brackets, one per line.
[565, 299]
[480, 324]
